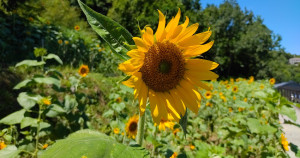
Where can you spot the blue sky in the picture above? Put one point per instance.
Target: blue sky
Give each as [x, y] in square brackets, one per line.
[282, 17]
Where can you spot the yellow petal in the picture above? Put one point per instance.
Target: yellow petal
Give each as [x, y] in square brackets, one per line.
[135, 53]
[202, 75]
[128, 67]
[158, 109]
[178, 104]
[173, 23]
[200, 64]
[197, 82]
[148, 36]
[140, 44]
[161, 25]
[170, 107]
[143, 97]
[162, 105]
[195, 39]
[197, 50]
[175, 33]
[184, 96]
[188, 32]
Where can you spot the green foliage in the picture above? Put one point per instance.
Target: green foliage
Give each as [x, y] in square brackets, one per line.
[92, 144]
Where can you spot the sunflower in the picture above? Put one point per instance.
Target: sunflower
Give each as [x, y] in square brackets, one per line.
[66, 42]
[209, 104]
[251, 79]
[45, 146]
[272, 81]
[235, 89]
[261, 86]
[174, 155]
[116, 130]
[192, 147]
[46, 101]
[59, 41]
[284, 142]
[132, 126]
[77, 27]
[2, 145]
[163, 124]
[163, 69]
[230, 109]
[83, 70]
[208, 94]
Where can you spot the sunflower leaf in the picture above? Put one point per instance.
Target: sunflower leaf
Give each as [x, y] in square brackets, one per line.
[112, 32]
[183, 122]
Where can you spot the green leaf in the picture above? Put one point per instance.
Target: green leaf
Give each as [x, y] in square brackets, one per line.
[47, 80]
[92, 144]
[183, 122]
[70, 103]
[53, 56]
[288, 111]
[118, 106]
[55, 110]
[113, 33]
[30, 63]
[13, 118]
[28, 121]
[26, 101]
[22, 84]
[255, 126]
[10, 151]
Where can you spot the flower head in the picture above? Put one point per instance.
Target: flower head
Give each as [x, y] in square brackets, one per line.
[261, 86]
[176, 130]
[77, 27]
[59, 41]
[46, 101]
[284, 142]
[230, 109]
[192, 147]
[209, 104]
[174, 155]
[208, 94]
[235, 89]
[2, 145]
[132, 126]
[245, 99]
[118, 100]
[66, 42]
[83, 70]
[163, 69]
[45, 146]
[166, 123]
[251, 79]
[272, 81]
[116, 130]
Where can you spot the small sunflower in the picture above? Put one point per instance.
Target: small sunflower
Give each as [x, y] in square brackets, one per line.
[46, 101]
[163, 69]
[240, 109]
[2, 145]
[261, 86]
[234, 97]
[272, 81]
[118, 100]
[245, 99]
[208, 94]
[284, 142]
[83, 70]
[66, 42]
[235, 89]
[230, 109]
[192, 147]
[116, 130]
[251, 79]
[77, 27]
[163, 124]
[209, 104]
[132, 126]
[45, 146]
[174, 155]
[59, 41]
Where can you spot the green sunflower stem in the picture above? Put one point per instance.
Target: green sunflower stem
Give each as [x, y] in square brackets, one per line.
[141, 129]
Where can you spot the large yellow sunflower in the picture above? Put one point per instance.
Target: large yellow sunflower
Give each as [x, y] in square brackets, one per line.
[132, 126]
[163, 69]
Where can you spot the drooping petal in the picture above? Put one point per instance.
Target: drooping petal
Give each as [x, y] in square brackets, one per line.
[195, 39]
[176, 103]
[190, 103]
[197, 82]
[140, 44]
[188, 32]
[170, 107]
[161, 25]
[200, 64]
[197, 50]
[158, 109]
[143, 95]
[148, 36]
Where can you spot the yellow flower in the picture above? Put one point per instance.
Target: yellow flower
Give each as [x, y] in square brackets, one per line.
[237, 80]
[59, 41]
[99, 50]
[209, 104]
[66, 42]
[234, 98]
[235, 89]
[227, 86]
[163, 69]
[2, 145]
[284, 142]
[245, 99]
[223, 98]
[240, 109]
[261, 86]
[221, 94]
[122, 133]
[230, 109]
[174, 155]
[163, 124]
[192, 147]
[97, 45]
[132, 126]
[175, 131]
[116, 130]
[46, 101]
[77, 27]
[251, 79]
[45, 146]
[119, 99]
[83, 70]
[208, 94]
[272, 81]
[83, 156]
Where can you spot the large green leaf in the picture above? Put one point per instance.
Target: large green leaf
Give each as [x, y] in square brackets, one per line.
[10, 151]
[22, 84]
[27, 101]
[55, 110]
[92, 144]
[47, 80]
[30, 63]
[28, 121]
[112, 32]
[53, 56]
[255, 126]
[289, 111]
[13, 118]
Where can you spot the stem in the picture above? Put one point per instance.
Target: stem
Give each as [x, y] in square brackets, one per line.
[141, 126]
[37, 132]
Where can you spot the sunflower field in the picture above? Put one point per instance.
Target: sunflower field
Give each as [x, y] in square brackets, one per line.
[153, 95]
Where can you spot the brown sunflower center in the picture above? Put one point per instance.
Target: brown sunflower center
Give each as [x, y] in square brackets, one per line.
[163, 67]
[83, 71]
[133, 126]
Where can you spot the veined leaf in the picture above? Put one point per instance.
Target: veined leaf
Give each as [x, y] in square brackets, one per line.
[13, 118]
[9, 151]
[22, 84]
[30, 63]
[53, 56]
[92, 144]
[112, 32]
[47, 80]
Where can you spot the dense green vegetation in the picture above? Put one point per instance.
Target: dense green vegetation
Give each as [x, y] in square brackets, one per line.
[45, 98]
